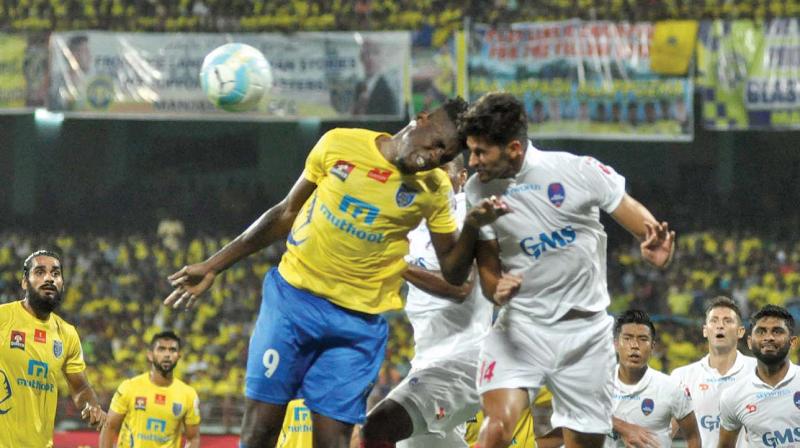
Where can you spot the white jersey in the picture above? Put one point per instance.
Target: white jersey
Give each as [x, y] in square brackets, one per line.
[769, 415]
[651, 403]
[705, 385]
[442, 327]
[553, 237]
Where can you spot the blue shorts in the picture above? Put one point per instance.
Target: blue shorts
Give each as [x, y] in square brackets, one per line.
[304, 346]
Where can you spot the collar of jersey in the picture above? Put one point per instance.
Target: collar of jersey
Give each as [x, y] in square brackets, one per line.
[633, 389]
[790, 374]
[737, 366]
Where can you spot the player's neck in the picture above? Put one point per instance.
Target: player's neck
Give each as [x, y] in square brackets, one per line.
[722, 359]
[631, 376]
[39, 314]
[772, 374]
[387, 147]
[159, 379]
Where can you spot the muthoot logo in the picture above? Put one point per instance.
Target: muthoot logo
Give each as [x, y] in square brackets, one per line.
[535, 246]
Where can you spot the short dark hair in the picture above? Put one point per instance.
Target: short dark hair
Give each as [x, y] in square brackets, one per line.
[168, 334]
[28, 263]
[455, 108]
[634, 317]
[724, 302]
[774, 311]
[497, 117]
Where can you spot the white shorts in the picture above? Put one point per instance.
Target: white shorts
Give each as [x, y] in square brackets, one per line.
[439, 398]
[574, 358]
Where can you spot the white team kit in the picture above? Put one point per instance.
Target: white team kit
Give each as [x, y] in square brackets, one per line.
[769, 415]
[439, 392]
[705, 385]
[651, 403]
[554, 240]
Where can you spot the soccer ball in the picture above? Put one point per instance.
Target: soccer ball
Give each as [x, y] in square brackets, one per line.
[235, 77]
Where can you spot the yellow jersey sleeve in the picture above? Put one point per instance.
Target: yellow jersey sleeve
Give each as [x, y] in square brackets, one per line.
[193, 406]
[440, 218]
[121, 402]
[74, 362]
[315, 162]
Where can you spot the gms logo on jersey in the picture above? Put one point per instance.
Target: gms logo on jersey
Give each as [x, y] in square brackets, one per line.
[536, 246]
[780, 437]
[710, 422]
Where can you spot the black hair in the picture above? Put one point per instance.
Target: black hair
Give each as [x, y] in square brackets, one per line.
[774, 311]
[497, 117]
[28, 263]
[724, 302]
[634, 317]
[455, 108]
[168, 334]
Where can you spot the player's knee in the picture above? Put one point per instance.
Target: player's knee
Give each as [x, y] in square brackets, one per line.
[389, 422]
[497, 431]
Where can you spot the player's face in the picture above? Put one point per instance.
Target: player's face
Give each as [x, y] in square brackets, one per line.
[634, 345]
[427, 143]
[771, 340]
[44, 284]
[164, 355]
[722, 328]
[493, 161]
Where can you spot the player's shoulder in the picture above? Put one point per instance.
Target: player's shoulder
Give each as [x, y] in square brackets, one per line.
[687, 370]
[65, 328]
[345, 135]
[666, 382]
[9, 310]
[184, 387]
[137, 382]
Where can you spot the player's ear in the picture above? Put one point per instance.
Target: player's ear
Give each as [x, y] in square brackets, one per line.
[793, 342]
[740, 332]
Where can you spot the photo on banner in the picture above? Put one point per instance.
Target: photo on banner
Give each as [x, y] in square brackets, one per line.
[336, 75]
[23, 71]
[582, 79]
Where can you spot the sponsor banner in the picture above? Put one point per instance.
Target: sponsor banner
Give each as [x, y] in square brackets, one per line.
[156, 75]
[434, 68]
[579, 79]
[748, 74]
[23, 71]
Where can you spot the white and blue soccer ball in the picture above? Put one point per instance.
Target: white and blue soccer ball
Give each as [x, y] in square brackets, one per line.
[235, 77]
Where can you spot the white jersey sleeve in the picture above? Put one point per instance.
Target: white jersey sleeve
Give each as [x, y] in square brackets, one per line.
[682, 405]
[728, 419]
[606, 186]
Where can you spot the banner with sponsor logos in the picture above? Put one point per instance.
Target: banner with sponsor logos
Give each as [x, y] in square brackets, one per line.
[578, 79]
[749, 74]
[23, 71]
[436, 68]
[156, 75]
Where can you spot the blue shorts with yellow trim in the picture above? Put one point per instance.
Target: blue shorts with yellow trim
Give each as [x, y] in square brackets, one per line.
[304, 346]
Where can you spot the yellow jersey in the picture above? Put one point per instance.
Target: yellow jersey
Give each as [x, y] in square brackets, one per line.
[154, 415]
[297, 426]
[524, 436]
[33, 353]
[348, 242]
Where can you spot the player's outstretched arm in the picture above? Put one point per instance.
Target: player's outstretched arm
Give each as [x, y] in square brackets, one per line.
[657, 241]
[85, 399]
[634, 436]
[193, 280]
[110, 431]
[432, 282]
[192, 434]
[688, 427]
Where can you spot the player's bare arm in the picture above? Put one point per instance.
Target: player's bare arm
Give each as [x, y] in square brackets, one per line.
[192, 434]
[727, 439]
[432, 282]
[657, 241]
[193, 280]
[85, 399]
[688, 427]
[456, 254]
[110, 430]
[634, 436]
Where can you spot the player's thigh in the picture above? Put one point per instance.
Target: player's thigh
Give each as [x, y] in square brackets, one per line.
[503, 408]
[331, 433]
[452, 439]
[583, 383]
[439, 397]
[262, 423]
[339, 380]
[576, 439]
[278, 354]
[512, 356]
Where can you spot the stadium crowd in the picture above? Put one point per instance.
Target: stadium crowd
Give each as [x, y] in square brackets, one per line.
[316, 15]
[115, 286]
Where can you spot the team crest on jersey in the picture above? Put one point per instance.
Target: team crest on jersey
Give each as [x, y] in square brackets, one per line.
[342, 169]
[58, 349]
[648, 406]
[18, 339]
[176, 409]
[797, 399]
[140, 403]
[556, 194]
[405, 196]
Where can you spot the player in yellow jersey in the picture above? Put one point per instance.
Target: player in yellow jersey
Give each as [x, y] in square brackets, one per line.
[297, 426]
[37, 346]
[153, 409]
[319, 334]
[533, 428]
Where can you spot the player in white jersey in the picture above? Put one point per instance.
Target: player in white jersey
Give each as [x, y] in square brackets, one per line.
[431, 405]
[542, 255]
[722, 368]
[644, 397]
[767, 402]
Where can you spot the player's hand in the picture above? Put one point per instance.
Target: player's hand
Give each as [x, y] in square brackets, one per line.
[94, 416]
[507, 287]
[658, 246]
[634, 436]
[189, 283]
[486, 212]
